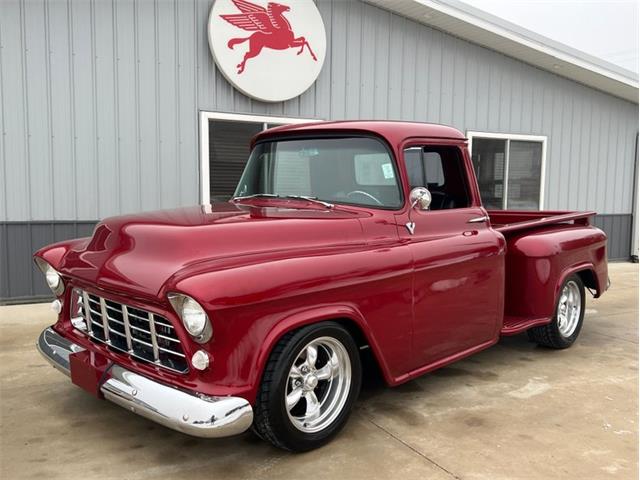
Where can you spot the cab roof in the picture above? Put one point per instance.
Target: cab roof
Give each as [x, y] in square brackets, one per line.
[393, 131]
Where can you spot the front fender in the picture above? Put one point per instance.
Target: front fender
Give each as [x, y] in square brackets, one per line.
[54, 254]
[251, 306]
[318, 314]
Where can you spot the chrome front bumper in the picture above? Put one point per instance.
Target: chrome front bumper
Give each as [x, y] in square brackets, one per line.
[187, 412]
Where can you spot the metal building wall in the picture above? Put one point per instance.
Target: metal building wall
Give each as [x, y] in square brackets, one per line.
[99, 103]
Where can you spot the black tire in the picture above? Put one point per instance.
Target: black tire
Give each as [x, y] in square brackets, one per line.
[550, 335]
[271, 418]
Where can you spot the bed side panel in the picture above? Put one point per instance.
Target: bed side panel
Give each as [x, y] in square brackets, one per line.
[538, 261]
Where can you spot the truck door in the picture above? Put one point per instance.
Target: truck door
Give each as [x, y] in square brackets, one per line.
[458, 259]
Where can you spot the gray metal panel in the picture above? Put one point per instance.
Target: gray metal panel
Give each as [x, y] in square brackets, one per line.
[105, 111]
[37, 104]
[20, 279]
[618, 230]
[126, 100]
[99, 103]
[353, 60]
[148, 104]
[186, 121]
[15, 177]
[381, 44]
[60, 113]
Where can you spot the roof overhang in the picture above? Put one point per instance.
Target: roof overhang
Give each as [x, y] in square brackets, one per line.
[474, 25]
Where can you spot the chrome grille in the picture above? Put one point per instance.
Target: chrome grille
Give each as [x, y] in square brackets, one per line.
[143, 335]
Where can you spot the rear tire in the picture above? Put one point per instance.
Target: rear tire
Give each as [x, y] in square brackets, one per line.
[564, 328]
[309, 386]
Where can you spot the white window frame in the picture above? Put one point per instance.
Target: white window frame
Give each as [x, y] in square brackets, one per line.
[513, 136]
[206, 116]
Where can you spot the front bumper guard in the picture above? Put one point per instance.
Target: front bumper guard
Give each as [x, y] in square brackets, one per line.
[187, 412]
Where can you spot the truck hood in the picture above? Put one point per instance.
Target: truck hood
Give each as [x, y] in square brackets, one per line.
[140, 253]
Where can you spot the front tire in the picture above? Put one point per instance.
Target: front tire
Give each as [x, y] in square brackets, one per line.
[564, 328]
[309, 386]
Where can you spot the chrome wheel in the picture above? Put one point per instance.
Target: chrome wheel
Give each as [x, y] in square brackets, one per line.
[569, 309]
[318, 384]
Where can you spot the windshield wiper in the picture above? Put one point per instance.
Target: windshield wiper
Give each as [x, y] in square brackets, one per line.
[292, 197]
[310, 199]
[255, 195]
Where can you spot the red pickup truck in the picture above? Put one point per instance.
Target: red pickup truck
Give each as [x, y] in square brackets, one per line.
[341, 237]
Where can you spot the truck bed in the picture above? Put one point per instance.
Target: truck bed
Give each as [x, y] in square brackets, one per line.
[539, 250]
[509, 221]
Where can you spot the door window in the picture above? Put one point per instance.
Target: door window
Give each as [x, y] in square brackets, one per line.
[441, 170]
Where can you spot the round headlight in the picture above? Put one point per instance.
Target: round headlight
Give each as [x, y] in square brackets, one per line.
[193, 316]
[53, 278]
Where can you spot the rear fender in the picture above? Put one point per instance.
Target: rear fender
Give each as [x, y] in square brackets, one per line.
[585, 271]
[567, 273]
[538, 262]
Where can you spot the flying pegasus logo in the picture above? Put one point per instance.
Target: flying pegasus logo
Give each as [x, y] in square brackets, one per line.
[272, 30]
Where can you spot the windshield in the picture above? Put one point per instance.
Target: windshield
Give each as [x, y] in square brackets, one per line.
[357, 171]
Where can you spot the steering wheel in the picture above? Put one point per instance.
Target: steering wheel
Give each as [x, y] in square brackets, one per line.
[366, 194]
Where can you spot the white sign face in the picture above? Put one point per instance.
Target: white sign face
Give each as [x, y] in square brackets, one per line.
[269, 51]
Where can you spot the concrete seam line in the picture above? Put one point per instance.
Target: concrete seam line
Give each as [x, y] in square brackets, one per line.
[614, 337]
[413, 449]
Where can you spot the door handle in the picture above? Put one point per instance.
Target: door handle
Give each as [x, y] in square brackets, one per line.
[481, 219]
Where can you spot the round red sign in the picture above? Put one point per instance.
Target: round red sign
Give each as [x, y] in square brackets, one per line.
[269, 51]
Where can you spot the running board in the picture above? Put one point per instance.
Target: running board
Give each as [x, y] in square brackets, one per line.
[515, 325]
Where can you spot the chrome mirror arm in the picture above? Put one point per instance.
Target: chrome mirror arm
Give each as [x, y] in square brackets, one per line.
[419, 197]
[411, 226]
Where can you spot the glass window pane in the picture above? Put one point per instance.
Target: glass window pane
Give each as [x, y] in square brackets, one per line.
[413, 163]
[525, 161]
[228, 153]
[374, 169]
[433, 169]
[439, 168]
[355, 170]
[292, 174]
[488, 158]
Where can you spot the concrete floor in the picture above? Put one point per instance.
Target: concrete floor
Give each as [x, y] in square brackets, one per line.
[513, 411]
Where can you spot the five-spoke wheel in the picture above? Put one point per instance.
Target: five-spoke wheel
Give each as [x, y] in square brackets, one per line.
[310, 384]
[318, 384]
[569, 308]
[565, 327]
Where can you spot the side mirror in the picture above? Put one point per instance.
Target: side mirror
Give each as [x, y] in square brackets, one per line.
[420, 197]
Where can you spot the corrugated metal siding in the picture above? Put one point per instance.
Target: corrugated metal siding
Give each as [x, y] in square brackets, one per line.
[99, 103]
[19, 277]
[618, 230]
